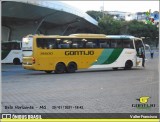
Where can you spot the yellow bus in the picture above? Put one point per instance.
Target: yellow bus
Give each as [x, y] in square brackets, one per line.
[81, 51]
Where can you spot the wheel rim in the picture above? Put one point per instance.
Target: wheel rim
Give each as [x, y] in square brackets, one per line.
[60, 68]
[129, 64]
[71, 68]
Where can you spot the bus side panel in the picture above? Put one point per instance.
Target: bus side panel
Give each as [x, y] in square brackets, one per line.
[84, 58]
[11, 55]
[119, 57]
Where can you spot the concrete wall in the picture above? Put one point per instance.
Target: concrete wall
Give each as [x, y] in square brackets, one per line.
[18, 31]
[5, 33]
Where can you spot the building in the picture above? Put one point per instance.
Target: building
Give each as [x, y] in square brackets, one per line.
[20, 18]
[139, 16]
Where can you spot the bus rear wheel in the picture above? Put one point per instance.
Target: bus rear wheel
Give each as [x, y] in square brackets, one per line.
[72, 67]
[128, 65]
[48, 71]
[16, 61]
[60, 68]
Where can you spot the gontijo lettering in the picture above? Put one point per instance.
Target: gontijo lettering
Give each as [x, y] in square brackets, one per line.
[79, 52]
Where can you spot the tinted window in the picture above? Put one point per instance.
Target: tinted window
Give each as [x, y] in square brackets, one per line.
[116, 43]
[84, 43]
[104, 43]
[77, 43]
[64, 43]
[127, 43]
[11, 46]
[47, 43]
[91, 43]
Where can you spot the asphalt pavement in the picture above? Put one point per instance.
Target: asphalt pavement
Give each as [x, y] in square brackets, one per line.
[86, 91]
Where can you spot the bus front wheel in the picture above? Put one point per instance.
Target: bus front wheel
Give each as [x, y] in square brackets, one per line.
[128, 64]
[16, 61]
[72, 67]
[60, 68]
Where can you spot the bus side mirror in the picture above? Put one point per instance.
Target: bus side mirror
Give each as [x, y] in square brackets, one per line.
[147, 46]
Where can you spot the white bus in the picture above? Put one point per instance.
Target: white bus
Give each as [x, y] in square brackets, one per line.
[11, 52]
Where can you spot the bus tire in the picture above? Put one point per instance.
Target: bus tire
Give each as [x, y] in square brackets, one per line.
[16, 61]
[128, 65]
[72, 67]
[60, 68]
[48, 71]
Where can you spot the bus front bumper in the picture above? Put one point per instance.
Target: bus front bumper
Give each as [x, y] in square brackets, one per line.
[29, 67]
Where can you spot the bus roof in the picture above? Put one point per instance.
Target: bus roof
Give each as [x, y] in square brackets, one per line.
[103, 36]
[89, 35]
[120, 37]
[86, 36]
[13, 41]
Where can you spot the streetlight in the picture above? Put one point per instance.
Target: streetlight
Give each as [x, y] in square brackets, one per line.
[43, 21]
[142, 37]
[74, 21]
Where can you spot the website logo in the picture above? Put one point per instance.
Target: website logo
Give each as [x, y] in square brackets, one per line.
[151, 17]
[143, 99]
[143, 103]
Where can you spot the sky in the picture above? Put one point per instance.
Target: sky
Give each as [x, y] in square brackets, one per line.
[125, 6]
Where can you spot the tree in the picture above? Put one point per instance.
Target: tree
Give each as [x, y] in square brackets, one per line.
[97, 15]
[110, 26]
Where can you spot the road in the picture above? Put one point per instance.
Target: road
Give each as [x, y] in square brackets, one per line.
[86, 91]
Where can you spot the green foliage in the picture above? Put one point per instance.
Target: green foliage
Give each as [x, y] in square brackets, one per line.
[110, 26]
[95, 14]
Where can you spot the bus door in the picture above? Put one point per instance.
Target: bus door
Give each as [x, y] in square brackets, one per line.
[140, 52]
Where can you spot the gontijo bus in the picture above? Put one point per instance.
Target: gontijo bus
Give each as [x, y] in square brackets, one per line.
[81, 51]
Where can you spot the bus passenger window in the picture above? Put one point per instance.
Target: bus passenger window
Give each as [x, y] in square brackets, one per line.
[74, 45]
[113, 43]
[119, 43]
[51, 46]
[81, 43]
[104, 43]
[127, 44]
[63, 44]
[45, 43]
[116, 43]
[89, 45]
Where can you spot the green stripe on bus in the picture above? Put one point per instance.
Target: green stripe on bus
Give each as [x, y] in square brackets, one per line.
[4, 54]
[115, 54]
[104, 56]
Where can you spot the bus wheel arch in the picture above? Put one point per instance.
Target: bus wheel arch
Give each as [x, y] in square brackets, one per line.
[60, 68]
[16, 61]
[128, 64]
[71, 67]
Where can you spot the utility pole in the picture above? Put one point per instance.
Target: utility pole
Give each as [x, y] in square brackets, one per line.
[102, 9]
